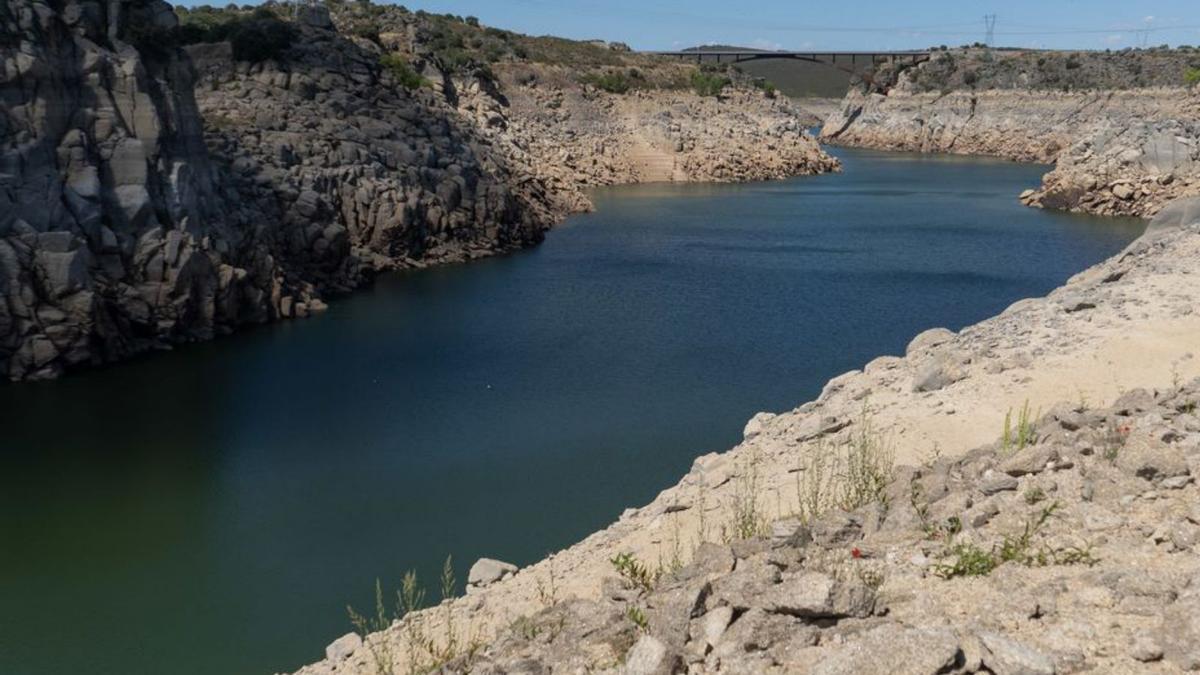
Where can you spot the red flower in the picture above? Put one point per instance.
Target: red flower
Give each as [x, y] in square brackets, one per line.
[855, 553]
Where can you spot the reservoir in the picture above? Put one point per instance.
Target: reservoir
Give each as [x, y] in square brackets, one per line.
[214, 509]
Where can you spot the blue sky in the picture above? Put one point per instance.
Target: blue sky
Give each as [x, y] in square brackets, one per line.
[860, 24]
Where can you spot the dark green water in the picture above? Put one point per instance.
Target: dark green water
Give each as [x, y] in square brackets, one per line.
[213, 510]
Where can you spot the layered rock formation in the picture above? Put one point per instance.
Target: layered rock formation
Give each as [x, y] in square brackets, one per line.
[1124, 142]
[151, 196]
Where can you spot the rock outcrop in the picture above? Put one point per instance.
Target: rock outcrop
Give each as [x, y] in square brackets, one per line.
[115, 236]
[1085, 559]
[1124, 143]
[151, 195]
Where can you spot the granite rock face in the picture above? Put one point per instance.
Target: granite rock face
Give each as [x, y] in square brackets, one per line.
[328, 143]
[114, 230]
[133, 218]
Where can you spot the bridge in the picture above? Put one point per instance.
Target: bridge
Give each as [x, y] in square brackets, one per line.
[825, 58]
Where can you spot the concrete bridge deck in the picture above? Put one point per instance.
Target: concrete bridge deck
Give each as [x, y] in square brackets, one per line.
[830, 58]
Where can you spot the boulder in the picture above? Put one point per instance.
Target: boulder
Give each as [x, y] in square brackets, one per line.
[928, 340]
[896, 649]
[343, 647]
[1005, 656]
[649, 656]
[486, 571]
[938, 372]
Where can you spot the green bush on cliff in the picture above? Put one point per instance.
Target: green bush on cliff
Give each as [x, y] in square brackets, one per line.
[406, 76]
[1192, 77]
[255, 36]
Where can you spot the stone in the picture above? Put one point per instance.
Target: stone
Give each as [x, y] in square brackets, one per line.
[991, 485]
[1180, 635]
[756, 425]
[343, 647]
[713, 625]
[1030, 460]
[1005, 656]
[899, 650]
[1075, 302]
[649, 656]
[487, 571]
[938, 372]
[929, 339]
[815, 595]
[1146, 649]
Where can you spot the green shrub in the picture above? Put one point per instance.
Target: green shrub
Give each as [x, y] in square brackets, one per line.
[708, 84]
[614, 82]
[257, 36]
[766, 87]
[404, 73]
[1192, 77]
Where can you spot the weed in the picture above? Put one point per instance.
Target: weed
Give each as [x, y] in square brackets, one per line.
[1114, 440]
[675, 562]
[1034, 495]
[424, 653]
[381, 650]
[848, 476]
[969, 561]
[548, 590]
[1018, 548]
[634, 571]
[1022, 436]
[920, 505]
[638, 617]
[746, 518]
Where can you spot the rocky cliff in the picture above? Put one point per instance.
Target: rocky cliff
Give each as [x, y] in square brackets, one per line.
[1121, 127]
[116, 234]
[153, 195]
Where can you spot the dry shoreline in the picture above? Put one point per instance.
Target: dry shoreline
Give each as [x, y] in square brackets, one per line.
[1127, 322]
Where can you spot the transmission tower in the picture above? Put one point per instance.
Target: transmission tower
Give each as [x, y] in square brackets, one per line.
[989, 23]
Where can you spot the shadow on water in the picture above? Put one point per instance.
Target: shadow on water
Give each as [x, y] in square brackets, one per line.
[215, 508]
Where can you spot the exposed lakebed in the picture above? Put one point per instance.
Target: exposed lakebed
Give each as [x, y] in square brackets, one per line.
[214, 509]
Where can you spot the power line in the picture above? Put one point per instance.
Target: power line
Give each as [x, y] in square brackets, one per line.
[989, 22]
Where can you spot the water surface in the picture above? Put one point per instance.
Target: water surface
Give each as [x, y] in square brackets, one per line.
[212, 510]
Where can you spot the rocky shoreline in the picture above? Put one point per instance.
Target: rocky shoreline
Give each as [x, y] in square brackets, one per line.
[1119, 148]
[154, 196]
[742, 566]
